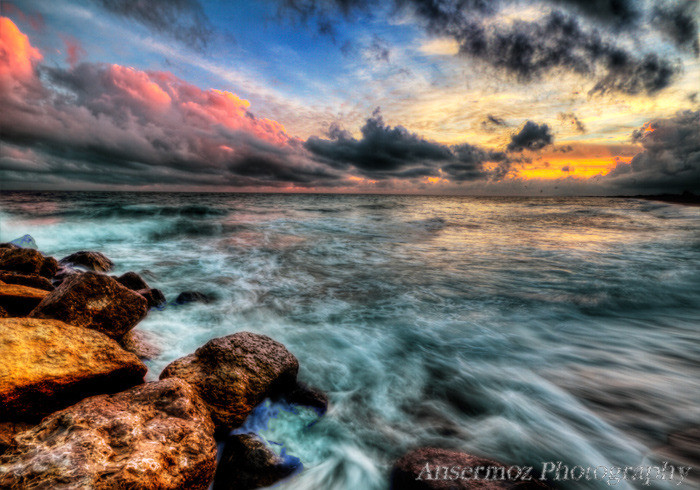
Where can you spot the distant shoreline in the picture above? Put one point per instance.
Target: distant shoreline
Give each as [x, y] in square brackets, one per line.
[687, 198]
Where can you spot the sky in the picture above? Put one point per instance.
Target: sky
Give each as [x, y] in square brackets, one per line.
[465, 97]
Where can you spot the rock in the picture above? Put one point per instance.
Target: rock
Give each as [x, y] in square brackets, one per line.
[63, 273]
[411, 466]
[94, 301]
[132, 281]
[3, 313]
[7, 245]
[25, 241]
[247, 463]
[47, 365]
[94, 261]
[31, 280]
[27, 261]
[140, 343]
[233, 374]
[307, 396]
[191, 297]
[155, 297]
[156, 435]
[8, 431]
[19, 300]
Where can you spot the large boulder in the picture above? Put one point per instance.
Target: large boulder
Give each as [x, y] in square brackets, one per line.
[94, 261]
[247, 463]
[431, 468]
[27, 261]
[26, 241]
[19, 300]
[47, 365]
[155, 297]
[233, 374]
[31, 280]
[156, 435]
[8, 431]
[94, 301]
[132, 281]
[141, 343]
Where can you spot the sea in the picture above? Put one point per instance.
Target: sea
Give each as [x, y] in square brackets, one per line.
[525, 330]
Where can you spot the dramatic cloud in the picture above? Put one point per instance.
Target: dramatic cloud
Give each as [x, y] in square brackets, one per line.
[680, 23]
[491, 123]
[670, 160]
[182, 20]
[385, 151]
[17, 59]
[572, 120]
[532, 137]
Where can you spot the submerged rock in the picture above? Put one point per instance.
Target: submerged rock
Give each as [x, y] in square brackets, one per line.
[191, 297]
[155, 297]
[140, 343]
[132, 281]
[156, 435]
[94, 261]
[19, 300]
[27, 261]
[31, 280]
[233, 374]
[425, 469]
[247, 463]
[47, 365]
[94, 301]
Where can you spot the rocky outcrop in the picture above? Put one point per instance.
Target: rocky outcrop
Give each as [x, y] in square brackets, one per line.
[156, 435]
[247, 463]
[411, 473]
[191, 297]
[94, 301]
[233, 374]
[8, 431]
[140, 343]
[19, 300]
[47, 365]
[132, 281]
[31, 280]
[155, 297]
[27, 261]
[94, 261]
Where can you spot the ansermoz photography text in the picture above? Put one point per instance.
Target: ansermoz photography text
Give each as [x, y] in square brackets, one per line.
[557, 471]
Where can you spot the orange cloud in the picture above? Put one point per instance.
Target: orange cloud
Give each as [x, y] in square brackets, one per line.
[17, 56]
[138, 85]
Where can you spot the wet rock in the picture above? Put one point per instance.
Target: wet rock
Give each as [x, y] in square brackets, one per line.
[25, 241]
[94, 301]
[412, 466]
[192, 297]
[94, 261]
[19, 300]
[7, 245]
[27, 261]
[140, 343]
[156, 435]
[307, 396]
[247, 463]
[62, 273]
[132, 281]
[155, 297]
[47, 365]
[233, 374]
[31, 280]
[8, 431]
[3, 313]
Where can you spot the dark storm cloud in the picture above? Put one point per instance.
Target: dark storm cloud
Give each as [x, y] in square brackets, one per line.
[182, 20]
[571, 119]
[385, 151]
[532, 136]
[680, 23]
[669, 161]
[562, 40]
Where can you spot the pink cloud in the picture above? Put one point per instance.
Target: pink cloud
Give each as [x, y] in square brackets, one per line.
[17, 56]
[74, 51]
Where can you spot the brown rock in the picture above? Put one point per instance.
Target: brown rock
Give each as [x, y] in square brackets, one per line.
[47, 365]
[8, 431]
[94, 301]
[3, 313]
[156, 435]
[412, 466]
[132, 281]
[31, 280]
[140, 343]
[19, 300]
[304, 395]
[247, 463]
[94, 261]
[155, 297]
[27, 261]
[233, 374]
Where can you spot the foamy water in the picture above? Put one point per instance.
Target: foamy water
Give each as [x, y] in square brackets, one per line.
[524, 330]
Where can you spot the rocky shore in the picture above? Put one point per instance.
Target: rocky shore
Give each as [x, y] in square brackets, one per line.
[75, 411]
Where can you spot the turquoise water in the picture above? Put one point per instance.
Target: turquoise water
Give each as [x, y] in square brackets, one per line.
[521, 329]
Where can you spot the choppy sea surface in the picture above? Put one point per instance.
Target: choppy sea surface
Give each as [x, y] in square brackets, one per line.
[526, 330]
